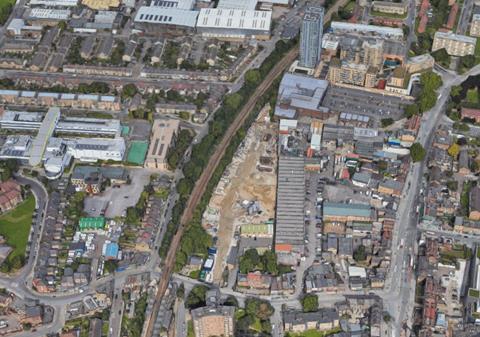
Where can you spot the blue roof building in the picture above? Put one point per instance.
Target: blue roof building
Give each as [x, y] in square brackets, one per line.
[111, 251]
[336, 211]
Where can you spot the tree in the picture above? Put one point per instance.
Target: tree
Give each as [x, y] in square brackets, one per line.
[441, 56]
[360, 254]
[196, 297]
[417, 152]
[386, 122]
[456, 90]
[129, 90]
[181, 291]
[310, 303]
[258, 308]
[249, 261]
[454, 150]
[468, 61]
[411, 110]
[232, 102]
[252, 78]
[231, 301]
[270, 262]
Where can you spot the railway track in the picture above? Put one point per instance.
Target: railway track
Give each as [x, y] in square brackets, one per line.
[202, 182]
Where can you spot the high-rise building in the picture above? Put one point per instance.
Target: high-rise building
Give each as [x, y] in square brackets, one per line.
[311, 37]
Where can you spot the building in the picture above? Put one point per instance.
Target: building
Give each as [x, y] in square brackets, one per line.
[10, 195]
[339, 27]
[322, 320]
[164, 134]
[399, 8]
[471, 113]
[31, 121]
[475, 25]
[474, 204]
[213, 321]
[233, 4]
[94, 149]
[90, 178]
[290, 227]
[91, 224]
[342, 212]
[454, 44]
[420, 63]
[311, 37]
[234, 24]
[300, 95]
[166, 16]
[79, 101]
[347, 72]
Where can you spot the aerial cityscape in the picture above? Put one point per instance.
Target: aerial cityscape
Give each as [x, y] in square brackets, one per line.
[199, 168]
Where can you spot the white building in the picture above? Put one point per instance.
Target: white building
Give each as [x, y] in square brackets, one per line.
[362, 29]
[49, 14]
[475, 25]
[234, 24]
[168, 12]
[54, 3]
[235, 4]
[94, 149]
[454, 44]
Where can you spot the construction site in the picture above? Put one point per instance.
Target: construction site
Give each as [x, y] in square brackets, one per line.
[246, 193]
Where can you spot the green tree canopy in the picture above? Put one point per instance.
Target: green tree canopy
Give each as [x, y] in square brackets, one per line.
[417, 152]
[310, 303]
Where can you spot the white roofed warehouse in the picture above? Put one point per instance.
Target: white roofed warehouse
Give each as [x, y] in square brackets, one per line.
[234, 24]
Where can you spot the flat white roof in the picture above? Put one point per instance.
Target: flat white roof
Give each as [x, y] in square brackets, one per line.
[47, 13]
[166, 16]
[234, 19]
[362, 28]
[237, 4]
[175, 4]
[55, 3]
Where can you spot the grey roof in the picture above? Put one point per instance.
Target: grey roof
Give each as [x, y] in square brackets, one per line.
[290, 201]
[213, 311]
[324, 315]
[167, 16]
[302, 92]
[363, 177]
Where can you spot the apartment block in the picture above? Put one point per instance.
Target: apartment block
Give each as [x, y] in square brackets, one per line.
[454, 44]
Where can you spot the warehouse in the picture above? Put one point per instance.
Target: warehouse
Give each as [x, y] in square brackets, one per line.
[167, 16]
[342, 212]
[290, 227]
[234, 24]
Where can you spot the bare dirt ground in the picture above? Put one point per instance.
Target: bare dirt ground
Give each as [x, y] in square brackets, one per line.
[246, 182]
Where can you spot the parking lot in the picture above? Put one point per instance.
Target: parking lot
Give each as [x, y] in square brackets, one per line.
[356, 101]
[115, 200]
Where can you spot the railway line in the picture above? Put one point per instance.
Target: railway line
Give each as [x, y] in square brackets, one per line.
[202, 182]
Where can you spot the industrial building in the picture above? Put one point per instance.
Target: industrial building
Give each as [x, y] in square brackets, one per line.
[343, 212]
[167, 12]
[454, 44]
[300, 95]
[311, 37]
[290, 227]
[234, 4]
[234, 24]
[163, 136]
[31, 121]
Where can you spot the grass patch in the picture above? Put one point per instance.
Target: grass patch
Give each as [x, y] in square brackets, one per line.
[388, 15]
[15, 228]
[472, 96]
[6, 7]
[473, 293]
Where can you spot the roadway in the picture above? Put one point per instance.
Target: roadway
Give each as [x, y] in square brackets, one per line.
[465, 15]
